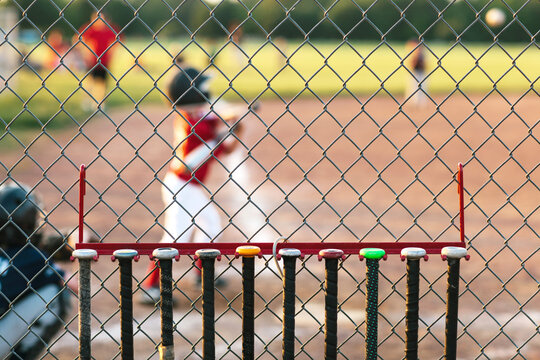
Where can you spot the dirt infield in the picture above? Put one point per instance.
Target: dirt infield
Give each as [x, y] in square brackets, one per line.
[332, 170]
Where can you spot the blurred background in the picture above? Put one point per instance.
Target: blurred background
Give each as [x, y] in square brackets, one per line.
[262, 49]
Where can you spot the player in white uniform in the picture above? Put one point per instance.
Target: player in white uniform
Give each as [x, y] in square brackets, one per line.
[190, 215]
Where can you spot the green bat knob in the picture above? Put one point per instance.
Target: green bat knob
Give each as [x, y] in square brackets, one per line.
[372, 253]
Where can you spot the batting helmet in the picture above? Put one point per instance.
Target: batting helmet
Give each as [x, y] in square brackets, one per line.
[19, 214]
[188, 87]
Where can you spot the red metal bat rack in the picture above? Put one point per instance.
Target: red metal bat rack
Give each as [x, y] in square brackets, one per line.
[307, 248]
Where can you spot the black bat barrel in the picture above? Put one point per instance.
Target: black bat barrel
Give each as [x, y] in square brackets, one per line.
[208, 258]
[289, 257]
[413, 256]
[372, 257]
[165, 257]
[331, 258]
[248, 254]
[85, 257]
[125, 258]
[453, 255]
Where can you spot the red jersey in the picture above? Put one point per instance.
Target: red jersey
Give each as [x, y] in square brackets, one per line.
[190, 130]
[99, 36]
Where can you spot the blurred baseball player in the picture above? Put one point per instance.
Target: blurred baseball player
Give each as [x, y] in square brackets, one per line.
[33, 298]
[201, 135]
[98, 38]
[416, 87]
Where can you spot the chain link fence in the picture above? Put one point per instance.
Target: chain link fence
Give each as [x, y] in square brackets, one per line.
[354, 115]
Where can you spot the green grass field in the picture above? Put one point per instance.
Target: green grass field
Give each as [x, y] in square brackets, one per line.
[53, 99]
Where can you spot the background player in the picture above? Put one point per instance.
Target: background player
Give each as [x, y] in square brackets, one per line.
[199, 139]
[98, 37]
[33, 299]
[416, 86]
[57, 49]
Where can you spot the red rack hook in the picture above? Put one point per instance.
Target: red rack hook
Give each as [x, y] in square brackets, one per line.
[82, 192]
[461, 203]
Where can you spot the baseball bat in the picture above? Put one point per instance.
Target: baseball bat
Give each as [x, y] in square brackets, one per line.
[203, 152]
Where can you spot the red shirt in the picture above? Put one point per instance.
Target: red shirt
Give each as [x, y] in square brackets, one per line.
[99, 36]
[190, 130]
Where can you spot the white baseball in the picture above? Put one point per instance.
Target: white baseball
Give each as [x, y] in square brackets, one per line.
[495, 17]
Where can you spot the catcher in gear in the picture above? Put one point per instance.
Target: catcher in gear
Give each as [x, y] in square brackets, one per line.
[33, 298]
[199, 140]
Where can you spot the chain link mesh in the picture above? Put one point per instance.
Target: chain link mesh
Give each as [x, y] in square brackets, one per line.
[345, 139]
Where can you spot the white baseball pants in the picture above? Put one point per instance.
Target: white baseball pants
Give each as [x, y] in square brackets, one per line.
[188, 208]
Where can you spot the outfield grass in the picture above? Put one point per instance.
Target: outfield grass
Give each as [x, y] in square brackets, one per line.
[326, 68]
[53, 99]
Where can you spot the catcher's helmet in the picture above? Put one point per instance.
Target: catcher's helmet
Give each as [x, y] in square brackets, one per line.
[188, 87]
[19, 214]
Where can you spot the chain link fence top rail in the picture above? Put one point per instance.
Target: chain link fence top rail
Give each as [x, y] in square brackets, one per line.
[355, 114]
